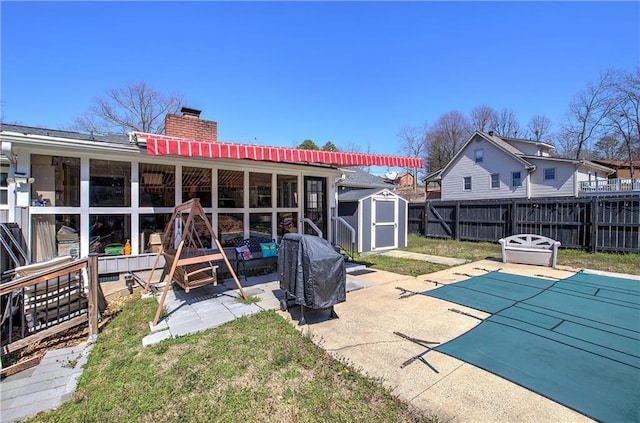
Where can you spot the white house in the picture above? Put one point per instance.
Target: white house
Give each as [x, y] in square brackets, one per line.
[74, 192]
[488, 166]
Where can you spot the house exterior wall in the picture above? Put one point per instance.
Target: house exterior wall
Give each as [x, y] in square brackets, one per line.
[405, 180]
[528, 148]
[133, 157]
[563, 185]
[494, 161]
[625, 172]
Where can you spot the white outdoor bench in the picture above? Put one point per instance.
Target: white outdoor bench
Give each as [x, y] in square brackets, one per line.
[530, 249]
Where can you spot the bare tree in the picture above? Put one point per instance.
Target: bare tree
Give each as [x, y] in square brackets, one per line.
[566, 146]
[413, 144]
[482, 117]
[624, 112]
[608, 148]
[445, 138]
[138, 107]
[539, 127]
[587, 111]
[506, 124]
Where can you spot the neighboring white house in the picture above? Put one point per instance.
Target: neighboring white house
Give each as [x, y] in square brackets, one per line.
[488, 166]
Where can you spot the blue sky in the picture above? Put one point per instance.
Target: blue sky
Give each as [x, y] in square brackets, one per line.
[352, 73]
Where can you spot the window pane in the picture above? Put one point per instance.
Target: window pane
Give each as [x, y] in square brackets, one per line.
[68, 234]
[467, 183]
[196, 183]
[157, 185]
[151, 230]
[108, 231]
[230, 189]
[287, 191]
[479, 155]
[4, 173]
[4, 194]
[57, 180]
[495, 180]
[200, 233]
[230, 228]
[516, 180]
[550, 174]
[109, 183]
[260, 225]
[260, 190]
[43, 237]
[287, 223]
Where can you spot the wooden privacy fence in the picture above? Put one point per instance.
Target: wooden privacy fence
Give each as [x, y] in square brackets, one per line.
[591, 223]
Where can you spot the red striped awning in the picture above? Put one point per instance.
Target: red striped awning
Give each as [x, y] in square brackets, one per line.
[161, 145]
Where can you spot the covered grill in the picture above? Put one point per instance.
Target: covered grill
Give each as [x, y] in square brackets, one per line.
[312, 274]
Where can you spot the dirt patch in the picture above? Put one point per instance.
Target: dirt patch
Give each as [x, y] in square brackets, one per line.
[31, 355]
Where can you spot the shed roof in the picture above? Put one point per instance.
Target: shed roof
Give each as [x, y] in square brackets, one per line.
[359, 194]
[360, 178]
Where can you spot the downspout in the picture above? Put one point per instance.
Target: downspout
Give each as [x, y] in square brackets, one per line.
[575, 180]
[530, 170]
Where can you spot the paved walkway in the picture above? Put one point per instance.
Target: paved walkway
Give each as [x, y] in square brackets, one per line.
[45, 386]
[212, 306]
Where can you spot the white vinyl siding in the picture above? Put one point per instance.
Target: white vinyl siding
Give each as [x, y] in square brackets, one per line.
[494, 161]
[529, 148]
[562, 185]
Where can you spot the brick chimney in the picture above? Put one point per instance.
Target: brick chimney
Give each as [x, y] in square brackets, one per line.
[190, 126]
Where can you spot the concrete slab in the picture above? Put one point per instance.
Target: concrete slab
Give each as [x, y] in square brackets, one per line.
[46, 387]
[156, 337]
[187, 327]
[363, 336]
[246, 310]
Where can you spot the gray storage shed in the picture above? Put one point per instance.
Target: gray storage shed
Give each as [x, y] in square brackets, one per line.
[379, 217]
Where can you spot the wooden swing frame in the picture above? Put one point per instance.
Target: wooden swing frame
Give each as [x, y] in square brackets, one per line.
[188, 271]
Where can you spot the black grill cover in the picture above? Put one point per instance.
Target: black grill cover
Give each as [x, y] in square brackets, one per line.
[311, 271]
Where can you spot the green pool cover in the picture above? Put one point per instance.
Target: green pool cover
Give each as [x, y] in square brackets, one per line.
[575, 341]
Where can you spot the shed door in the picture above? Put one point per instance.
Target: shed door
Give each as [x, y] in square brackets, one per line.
[384, 221]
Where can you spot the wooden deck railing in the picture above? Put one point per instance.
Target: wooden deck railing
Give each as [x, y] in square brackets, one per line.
[43, 304]
[611, 185]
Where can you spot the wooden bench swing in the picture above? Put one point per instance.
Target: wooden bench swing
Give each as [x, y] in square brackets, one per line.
[187, 261]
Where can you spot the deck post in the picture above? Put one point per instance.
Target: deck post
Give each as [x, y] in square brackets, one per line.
[93, 296]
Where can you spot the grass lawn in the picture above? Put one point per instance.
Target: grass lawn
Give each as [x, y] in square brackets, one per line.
[256, 368]
[611, 262]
